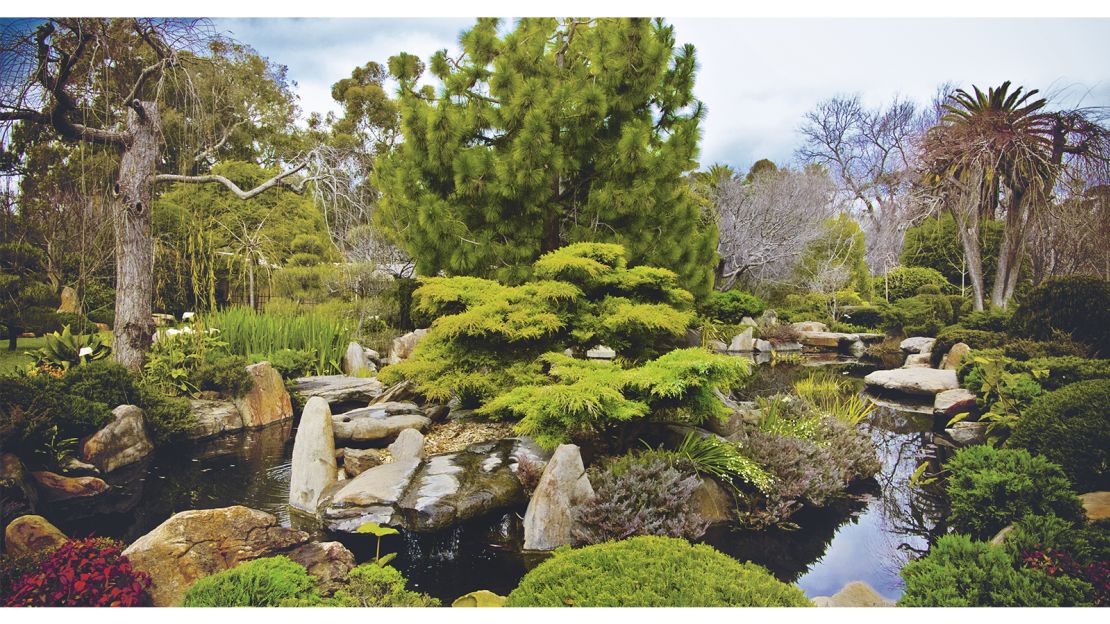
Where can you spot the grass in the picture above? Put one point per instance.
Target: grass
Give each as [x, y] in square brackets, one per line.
[248, 333]
[11, 360]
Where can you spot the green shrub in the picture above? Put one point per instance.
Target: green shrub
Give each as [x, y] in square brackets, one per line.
[920, 315]
[651, 572]
[961, 572]
[1071, 427]
[1086, 542]
[1077, 304]
[103, 381]
[370, 585]
[992, 320]
[226, 375]
[264, 582]
[1066, 370]
[904, 281]
[1026, 349]
[168, 418]
[36, 412]
[867, 316]
[732, 306]
[290, 363]
[990, 488]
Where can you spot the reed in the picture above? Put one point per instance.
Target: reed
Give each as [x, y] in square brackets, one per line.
[248, 333]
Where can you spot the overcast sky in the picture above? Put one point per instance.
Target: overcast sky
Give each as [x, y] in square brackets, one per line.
[757, 77]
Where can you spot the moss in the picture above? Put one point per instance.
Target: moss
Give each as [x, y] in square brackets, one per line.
[264, 582]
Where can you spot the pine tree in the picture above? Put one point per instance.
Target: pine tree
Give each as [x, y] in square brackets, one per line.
[559, 132]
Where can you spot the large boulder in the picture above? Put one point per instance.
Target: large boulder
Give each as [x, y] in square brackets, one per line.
[121, 442]
[267, 401]
[913, 381]
[549, 522]
[314, 466]
[378, 422]
[17, 489]
[213, 418]
[198, 543]
[917, 344]
[402, 347]
[355, 361]
[56, 488]
[29, 534]
[955, 356]
[338, 389]
[742, 342]
[854, 594]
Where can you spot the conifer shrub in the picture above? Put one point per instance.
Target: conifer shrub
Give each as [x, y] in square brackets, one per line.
[267, 582]
[730, 307]
[1076, 304]
[225, 374]
[372, 585]
[920, 315]
[961, 572]
[1071, 427]
[904, 281]
[991, 488]
[651, 571]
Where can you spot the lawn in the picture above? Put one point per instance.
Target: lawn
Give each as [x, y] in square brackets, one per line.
[18, 358]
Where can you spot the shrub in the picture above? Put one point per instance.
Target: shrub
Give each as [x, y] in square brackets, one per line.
[259, 583]
[732, 306]
[1071, 427]
[651, 572]
[920, 315]
[975, 338]
[780, 333]
[991, 319]
[290, 363]
[1061, 346]
[903, 282]
[867, 316]
[371, 585]
[36, 410]
[990, 488]
[1077, 304]
[168, 418]
[104, 381]
[226, 374]
[82, 573]
[961, 572]
[1066, 370]
[645, 493]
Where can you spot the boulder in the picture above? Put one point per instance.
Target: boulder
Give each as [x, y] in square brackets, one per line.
[358, 461]
[267, 401]
[917, 344]
[854, 594]
[337, 389]
[955, 356]
[713, 502]
[213, 418]
[437, 413]
[913, 381]
[69, 301]
[402, 347]
[369, 497]
[769, 317]
[967, 433]
[372, 356]
[549, 522]
[55, 487]
[820, 339]
[810, 326]
[314, 466]
[29, 534]
[17, 489]
[762, 346]
[194, 544]
[329, 562]
[952, 402]
[742, 342]
[121, 442]
[1097, 505]
[601, 352]
[918, 360]
[355, 361]
[382, 421]
[409, 444]
[749, 321]
[399, 392]
[717, 346]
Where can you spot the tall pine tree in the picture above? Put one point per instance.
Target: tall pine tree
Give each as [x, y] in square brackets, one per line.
[562, 131]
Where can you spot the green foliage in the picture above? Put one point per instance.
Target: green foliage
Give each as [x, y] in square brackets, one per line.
[935, 244]
[36, 414]
[224, 374]
[990, 488]
[290, 363]
[248, 333]
[25, 298]
[369, 585]
[997, 320]
[724, 461]
[66, 349]
[920, 315]
[1079, 305]
[977, 339]
[906, 281]
[266, 582]
[313, 283]
[835, 260]
[961, 572]
[732, 306]
[587, 137]
[651, 572]
[1002, 395]
[1071, 427]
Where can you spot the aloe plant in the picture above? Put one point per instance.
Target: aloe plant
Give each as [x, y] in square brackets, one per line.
[66, 349]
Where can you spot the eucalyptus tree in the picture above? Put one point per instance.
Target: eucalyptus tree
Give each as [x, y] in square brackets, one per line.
[114, 83]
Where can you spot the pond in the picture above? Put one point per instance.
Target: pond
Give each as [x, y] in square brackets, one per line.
[868, 536]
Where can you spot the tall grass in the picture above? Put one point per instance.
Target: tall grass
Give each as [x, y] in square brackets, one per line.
[247, 333]
[835, 399]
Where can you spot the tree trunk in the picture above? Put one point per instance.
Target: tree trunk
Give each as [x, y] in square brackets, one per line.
[1010, 251]
[969, 238]
[13, 337]
[134, 326]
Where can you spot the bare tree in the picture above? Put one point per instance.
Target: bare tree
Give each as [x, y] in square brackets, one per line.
[101, 81]
[766, 224]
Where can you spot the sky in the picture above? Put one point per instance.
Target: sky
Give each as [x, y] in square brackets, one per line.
[757, 76]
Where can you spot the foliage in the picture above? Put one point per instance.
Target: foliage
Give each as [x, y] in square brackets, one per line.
[289, 363]
[557, 132]
[961, 572]
[177, 354]
[14, 568]
[82, 573]
[902, 282]
[830, 397]
[935, 244]
[644, 493]
[24, 295]
[64, 350]
[835, 261]
[650, 572]
[105, 382]
[266, 582]
[724, 461]
[732, 306]
[997, 320]
[247, 333]
[372, 585]
[36, 412]
[224, 374]
[1071, 427]
[1079, 305]
[1002, 395]
[920, 315]
[977, 339]
[990, 488]
[378, 531]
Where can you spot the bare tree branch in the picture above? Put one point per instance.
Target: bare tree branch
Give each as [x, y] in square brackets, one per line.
[278, 180]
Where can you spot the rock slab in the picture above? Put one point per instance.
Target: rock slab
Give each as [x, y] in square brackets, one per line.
[314, 467]
[952, 402]
[55, 487]
[337, 389]
[121, 442]
[913, 381]
[213, 418]
[381, 421]
[917, 344]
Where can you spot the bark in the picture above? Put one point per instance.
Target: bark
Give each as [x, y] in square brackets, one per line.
[134, 326]
[1011, 251]
[969, 238]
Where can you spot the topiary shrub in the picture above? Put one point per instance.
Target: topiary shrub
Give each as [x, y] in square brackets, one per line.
[645, 493]
[1071, 427]
[264, 582]
[651, 572]
[82, 573]
[991, 319]
[990, 488]
[961, 572]
[919, 315]
[730, 307]
[1077, 304]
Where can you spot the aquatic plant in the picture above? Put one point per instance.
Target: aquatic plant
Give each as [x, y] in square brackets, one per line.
[723, 460]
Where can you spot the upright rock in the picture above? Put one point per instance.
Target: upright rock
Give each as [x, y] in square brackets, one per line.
[548, 522]
[955, 356]
[30, 534]
[314, 466]
[355, 362]
[121, 442]
[742, 342]
[69, 301]
[402, 347]
[267, 401]
[408, 445]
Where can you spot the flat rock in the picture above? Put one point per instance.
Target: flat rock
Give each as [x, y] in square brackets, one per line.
[267, 401]
[55, 487]
[917, 344]
[918, 360]
[952, 402]
[339, 388]
[213, 418]
[854, 594]
[915, 381]
[29, 534]
[1097, 505]
[601, 352]
[381, 421]
[821, 339]
[870, 338]
[121, 442]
